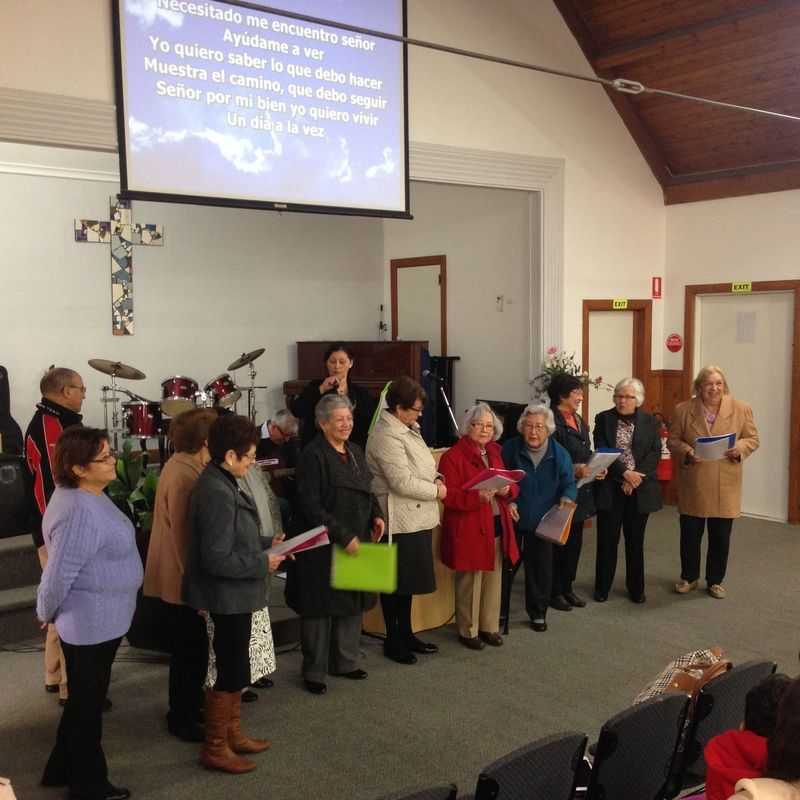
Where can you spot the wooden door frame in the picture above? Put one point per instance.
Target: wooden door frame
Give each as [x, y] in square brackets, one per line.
[692, 293]
[422, 261]
[642, 338]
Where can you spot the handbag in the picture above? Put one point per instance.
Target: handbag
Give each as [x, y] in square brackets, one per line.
[687, 674]
[372, 568]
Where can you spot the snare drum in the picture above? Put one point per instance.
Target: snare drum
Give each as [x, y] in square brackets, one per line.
[222, 390]
[177, 395]
[142, 418]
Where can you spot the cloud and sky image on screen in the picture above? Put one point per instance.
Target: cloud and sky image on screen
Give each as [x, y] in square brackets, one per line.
[225, 101]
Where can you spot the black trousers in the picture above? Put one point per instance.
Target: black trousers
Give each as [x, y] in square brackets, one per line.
[623, 515]
[77, 759]
[566, 558]
[232, 651]
[537, 557]
[188, 662]
[719, 544]
[397, 618]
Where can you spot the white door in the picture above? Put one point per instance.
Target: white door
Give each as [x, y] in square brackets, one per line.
[610, 355]
[419, 306]
[750, 337]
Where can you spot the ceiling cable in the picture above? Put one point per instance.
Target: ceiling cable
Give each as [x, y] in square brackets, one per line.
[622, 85]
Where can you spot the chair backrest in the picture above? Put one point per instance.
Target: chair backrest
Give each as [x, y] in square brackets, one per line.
[636, 750]
[441, 792]
[720, 708]
[542, 770]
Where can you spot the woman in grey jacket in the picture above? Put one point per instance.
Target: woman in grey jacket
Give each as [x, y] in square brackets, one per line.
[225, 576]
[408, 488]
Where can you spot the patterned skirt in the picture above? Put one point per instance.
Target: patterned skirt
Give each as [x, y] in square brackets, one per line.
[262, 649]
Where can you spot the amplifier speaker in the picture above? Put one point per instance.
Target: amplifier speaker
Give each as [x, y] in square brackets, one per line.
[14, 478]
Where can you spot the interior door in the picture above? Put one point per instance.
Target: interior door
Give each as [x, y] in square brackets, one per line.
[419, 301]
[610, 356]
[749, 337]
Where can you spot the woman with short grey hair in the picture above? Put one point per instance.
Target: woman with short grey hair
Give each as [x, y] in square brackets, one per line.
[477, 530]
[548, 481]
[630, 493]
[334, 490]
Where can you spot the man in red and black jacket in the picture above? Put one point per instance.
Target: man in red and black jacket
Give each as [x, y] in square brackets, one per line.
[62, 397]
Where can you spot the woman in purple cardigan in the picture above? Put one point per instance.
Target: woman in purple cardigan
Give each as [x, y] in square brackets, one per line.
[88, 590]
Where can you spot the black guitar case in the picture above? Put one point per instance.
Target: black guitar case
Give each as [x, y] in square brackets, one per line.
[14, 508]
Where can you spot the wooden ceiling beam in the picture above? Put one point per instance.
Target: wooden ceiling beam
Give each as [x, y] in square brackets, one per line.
[649, 46]
[772, 179]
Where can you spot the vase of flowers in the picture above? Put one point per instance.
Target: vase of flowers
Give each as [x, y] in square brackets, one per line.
[558, 362]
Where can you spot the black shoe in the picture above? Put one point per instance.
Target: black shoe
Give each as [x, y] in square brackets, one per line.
[107, 706]
[539, 627]
[559, 603]
[316, 687]
[473, 643]
[262, 683]
[638, 598]
[354, 674]
[418, 646]
[400, 656]
[51, 688]
[493, 639]
[249, 696]
[574, 600]
[187, 731]
[599, 597]
[108, 792]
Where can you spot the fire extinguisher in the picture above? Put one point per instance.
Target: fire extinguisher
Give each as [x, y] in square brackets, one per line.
[664, 468]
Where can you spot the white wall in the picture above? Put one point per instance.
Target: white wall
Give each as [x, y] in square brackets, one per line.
[738, 239]
[226, 281]
[485, 234]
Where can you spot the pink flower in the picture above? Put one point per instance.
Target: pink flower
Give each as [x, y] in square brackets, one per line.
[551, 351]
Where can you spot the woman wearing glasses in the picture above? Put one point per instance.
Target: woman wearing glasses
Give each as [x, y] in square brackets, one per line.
[477, 531]
[549, 480]
[407, 486]
[88, 590]
[226, 569]
[630, 493]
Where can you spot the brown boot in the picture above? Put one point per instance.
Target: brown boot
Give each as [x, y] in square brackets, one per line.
[216, 753]
[238, 741]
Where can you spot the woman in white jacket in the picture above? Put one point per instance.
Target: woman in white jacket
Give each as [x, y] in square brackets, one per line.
[781, 779]
[408, 488]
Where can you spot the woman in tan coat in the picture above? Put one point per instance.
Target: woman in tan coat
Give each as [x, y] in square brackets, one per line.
[166, 559]
[709, 491]
[407, 486]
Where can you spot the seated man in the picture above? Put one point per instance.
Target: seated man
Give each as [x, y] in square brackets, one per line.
[742, 753]
[278, 449]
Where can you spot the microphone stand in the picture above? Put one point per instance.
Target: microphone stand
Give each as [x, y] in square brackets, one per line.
[446, 399]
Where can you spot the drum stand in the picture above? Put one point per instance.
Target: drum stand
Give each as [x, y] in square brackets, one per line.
[251, 391]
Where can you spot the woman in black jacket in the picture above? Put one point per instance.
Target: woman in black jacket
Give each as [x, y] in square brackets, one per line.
[334, 490]
[338, 363]
[572, 433]
[631, 492]
[226, 568]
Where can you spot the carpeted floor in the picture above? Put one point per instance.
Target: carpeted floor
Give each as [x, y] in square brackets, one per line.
[451, 714]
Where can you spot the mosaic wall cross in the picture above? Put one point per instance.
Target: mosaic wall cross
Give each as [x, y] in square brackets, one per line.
[122, 235]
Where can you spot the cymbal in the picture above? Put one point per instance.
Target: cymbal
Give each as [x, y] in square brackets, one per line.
[246, 358]
[117, 368]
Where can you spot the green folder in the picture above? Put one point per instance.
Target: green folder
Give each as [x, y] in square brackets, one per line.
[372, 569]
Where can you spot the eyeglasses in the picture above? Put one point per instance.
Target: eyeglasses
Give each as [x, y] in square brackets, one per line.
[624, 396]
[537, 427]
[109, 456]
[81, 388]
[416, 409]
[484, 426]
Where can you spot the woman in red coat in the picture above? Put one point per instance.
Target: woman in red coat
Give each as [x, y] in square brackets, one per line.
[476, 529]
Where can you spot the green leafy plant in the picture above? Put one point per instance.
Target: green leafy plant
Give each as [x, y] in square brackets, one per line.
[133, 491]
[560, 363]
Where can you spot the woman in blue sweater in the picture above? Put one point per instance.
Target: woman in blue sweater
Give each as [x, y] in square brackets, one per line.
[88, 590]
[548, 481]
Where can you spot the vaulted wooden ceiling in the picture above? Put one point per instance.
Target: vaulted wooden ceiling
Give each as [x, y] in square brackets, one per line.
[737, 51]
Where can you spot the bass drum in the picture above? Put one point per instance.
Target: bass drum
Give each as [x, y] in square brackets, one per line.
[222, 390]
[178, 394]
[143, 419]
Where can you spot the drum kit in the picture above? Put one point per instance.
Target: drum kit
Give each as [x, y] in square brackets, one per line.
[143, 419]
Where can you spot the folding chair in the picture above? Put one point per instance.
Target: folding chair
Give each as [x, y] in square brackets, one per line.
[441, 792]
[636, 750]
[543, 770]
